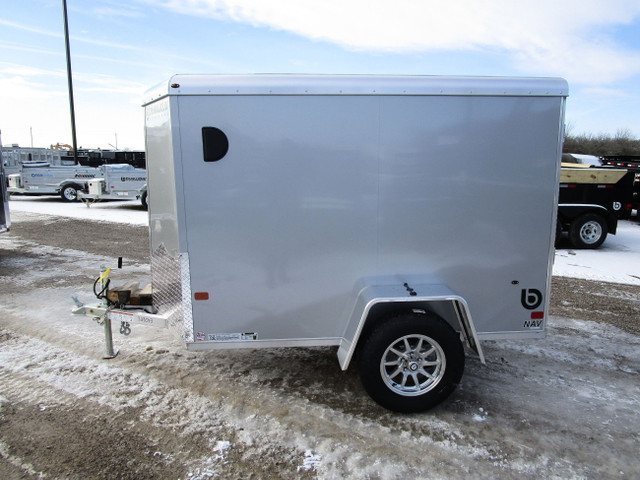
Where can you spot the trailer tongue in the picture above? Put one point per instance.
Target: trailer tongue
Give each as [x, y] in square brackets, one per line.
[395, 218]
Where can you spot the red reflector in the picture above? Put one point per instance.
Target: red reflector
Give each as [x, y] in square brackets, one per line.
[537, 315]
[201, 296]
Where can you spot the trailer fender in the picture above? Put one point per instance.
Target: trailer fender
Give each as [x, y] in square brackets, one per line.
[375, 302]
[569, 212]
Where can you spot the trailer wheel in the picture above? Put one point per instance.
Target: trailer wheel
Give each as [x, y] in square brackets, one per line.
[144, 200]
[411, 362]
[588, 231]
[558, 233]
[69, 193]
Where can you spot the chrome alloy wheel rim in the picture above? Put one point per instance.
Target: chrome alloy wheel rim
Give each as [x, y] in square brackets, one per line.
[590, 232]
[412, 365]
[70, 193]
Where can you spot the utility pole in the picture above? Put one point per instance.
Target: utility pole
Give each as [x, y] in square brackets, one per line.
[71, 107]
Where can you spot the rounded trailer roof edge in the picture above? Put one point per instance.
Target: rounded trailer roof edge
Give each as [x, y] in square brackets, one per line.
[293, 84]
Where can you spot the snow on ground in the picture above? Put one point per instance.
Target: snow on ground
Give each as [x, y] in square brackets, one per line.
[127, 211]
[615, 261]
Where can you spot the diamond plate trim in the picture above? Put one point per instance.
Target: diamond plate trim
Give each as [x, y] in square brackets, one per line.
[187, 311]
[172, 291]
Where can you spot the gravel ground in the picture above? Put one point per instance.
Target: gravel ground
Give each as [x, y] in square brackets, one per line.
[562, 407]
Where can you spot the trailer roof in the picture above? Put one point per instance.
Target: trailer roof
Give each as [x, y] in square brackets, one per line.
[270, 84]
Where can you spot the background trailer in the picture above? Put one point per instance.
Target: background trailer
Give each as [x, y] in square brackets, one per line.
[65, 181]
[392, 217]
[5, 220]
[118, 181]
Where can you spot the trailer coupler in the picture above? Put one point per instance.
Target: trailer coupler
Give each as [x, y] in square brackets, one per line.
[87, 199]
[105, 313]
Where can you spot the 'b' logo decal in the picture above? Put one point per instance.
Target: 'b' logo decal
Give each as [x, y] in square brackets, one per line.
[531, 298]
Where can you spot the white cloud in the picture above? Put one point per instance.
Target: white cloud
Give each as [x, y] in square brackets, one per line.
[92, 82]
[29, 28]
[28, 83]
[556, 37]
[28, 71]
[72, 38]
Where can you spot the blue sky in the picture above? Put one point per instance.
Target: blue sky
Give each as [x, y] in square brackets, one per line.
[121, 48]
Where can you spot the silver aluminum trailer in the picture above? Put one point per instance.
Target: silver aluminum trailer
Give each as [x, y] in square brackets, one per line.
[65, 181]
[396, 218]
[115, 182]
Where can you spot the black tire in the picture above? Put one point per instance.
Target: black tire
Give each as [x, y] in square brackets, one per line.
[588, 231]
[144, 200]
[558, 233]
[69, 193]
[411, 362]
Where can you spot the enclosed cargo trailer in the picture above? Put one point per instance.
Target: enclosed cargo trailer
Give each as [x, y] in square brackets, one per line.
[395, 218]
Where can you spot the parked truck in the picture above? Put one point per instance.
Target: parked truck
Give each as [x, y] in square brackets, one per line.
[592, 200]
[116, 182]
[395, 218]
[43, 179]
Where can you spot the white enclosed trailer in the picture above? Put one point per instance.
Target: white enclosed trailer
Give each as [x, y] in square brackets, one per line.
[395, 218]
[115, 182]
[65, 181]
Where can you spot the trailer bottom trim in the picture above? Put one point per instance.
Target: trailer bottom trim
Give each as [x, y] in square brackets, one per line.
[271, 343]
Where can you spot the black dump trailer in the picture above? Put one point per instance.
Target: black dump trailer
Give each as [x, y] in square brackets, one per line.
[592, 200]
